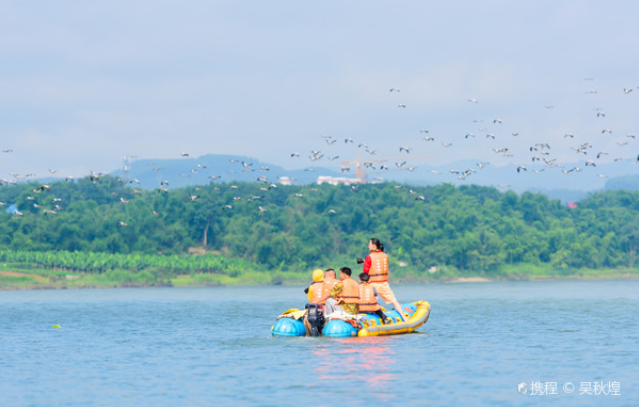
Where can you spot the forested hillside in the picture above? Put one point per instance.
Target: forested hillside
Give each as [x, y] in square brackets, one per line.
[295, 228]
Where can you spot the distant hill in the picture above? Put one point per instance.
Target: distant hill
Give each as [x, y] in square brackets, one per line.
[629, 182]
[573, 185]
[178, 173]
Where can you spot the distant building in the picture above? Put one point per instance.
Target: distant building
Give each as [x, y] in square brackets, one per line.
[285, 180]
[325, 179]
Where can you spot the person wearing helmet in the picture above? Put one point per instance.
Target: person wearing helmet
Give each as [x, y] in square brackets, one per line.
[316, 286]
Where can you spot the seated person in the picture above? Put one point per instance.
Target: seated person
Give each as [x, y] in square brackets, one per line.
[345, 294]
[368, 299]
[315, 289]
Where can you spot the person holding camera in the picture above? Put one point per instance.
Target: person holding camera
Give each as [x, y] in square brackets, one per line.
[376, 266]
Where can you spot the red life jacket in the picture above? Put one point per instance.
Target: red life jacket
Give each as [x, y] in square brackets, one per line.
[379, 267]
[350, 292]
[367, 300]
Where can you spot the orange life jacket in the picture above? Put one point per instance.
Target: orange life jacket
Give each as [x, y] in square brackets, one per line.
[316, 293]
[367, 300]
[379, 267]
[350, 291]
[325, 291]
[313, 294]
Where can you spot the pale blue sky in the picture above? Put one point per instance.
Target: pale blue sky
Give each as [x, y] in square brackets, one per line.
[83, 84]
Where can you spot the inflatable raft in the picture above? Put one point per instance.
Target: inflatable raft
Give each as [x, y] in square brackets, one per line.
[291, 323]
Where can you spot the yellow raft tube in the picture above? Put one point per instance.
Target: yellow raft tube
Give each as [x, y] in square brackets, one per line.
[418, 317]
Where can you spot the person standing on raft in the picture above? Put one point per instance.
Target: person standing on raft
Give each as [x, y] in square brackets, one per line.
[376, 266]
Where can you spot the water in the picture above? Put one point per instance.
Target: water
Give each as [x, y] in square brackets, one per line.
[212, 346]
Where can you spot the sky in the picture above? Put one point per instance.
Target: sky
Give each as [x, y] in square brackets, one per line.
[84, 84]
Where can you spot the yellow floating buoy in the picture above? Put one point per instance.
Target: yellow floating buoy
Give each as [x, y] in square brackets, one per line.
[56, 326]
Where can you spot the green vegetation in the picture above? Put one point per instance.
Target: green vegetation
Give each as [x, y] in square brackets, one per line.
[106, 233]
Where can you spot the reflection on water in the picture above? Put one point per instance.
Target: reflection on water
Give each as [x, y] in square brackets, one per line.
[367, 362]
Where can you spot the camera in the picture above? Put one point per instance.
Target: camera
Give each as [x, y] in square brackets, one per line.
[360, 261]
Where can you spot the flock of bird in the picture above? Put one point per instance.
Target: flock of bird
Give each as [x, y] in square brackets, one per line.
[540, 156]
[549, 154]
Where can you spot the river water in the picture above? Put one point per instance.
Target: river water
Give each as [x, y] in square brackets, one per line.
[487, 344]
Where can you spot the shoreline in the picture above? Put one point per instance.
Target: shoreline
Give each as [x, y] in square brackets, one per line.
[458, 280]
